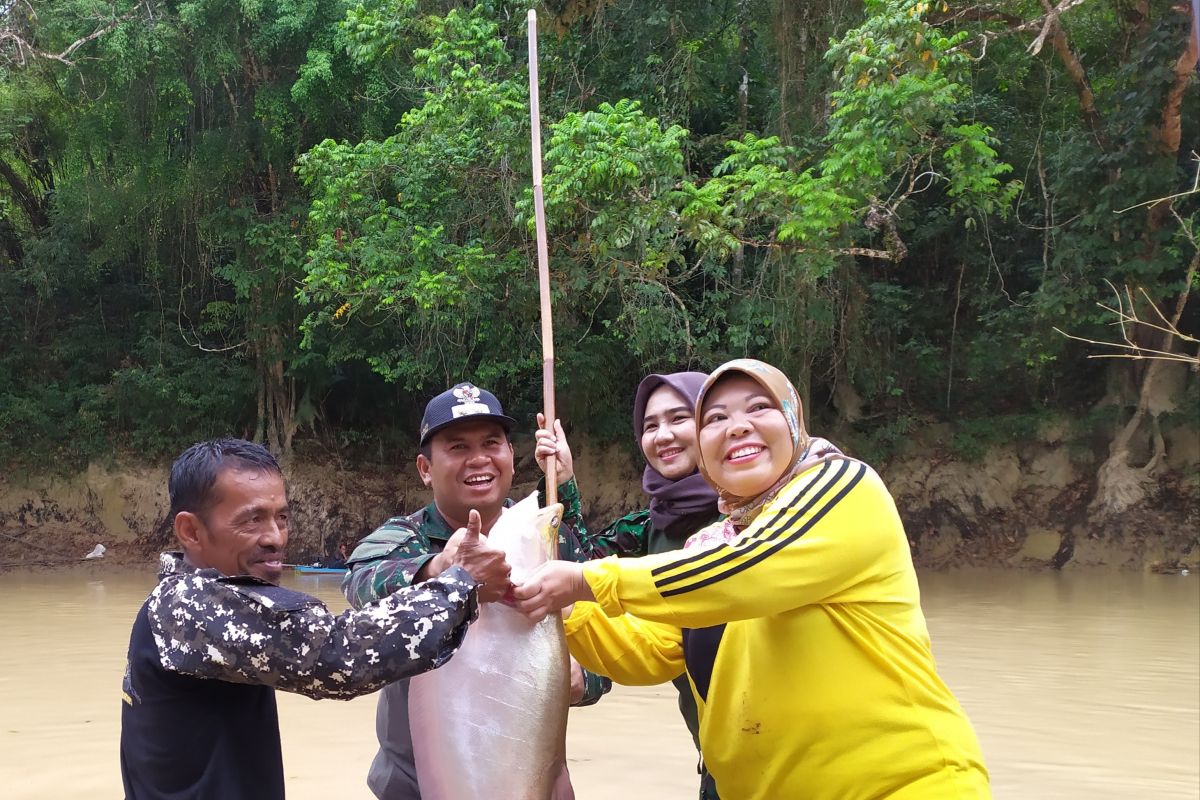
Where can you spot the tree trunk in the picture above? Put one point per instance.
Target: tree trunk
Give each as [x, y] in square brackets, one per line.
[853, 303]
[12, 253]
[260, 400]
[793, 39]
[743, 14]
[1119, 485]
[1077, 73]
[33, 206]
[278, 397]
[1170, 130]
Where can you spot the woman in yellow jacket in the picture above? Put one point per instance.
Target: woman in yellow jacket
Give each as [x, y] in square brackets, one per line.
[797, 619]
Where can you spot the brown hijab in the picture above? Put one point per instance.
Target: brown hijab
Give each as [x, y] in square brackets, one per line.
[807, 451]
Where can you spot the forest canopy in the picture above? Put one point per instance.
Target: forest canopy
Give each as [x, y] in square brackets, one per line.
[297, 219]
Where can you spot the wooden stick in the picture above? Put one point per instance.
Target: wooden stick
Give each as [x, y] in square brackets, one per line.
[543, 256]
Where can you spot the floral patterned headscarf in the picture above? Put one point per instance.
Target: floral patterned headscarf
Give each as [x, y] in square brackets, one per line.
[742, 510]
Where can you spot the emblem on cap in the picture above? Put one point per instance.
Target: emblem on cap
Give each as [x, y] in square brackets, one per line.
[468, 401]
[466, 393]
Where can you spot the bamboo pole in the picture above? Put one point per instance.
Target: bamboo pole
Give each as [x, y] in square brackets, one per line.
[543, 256]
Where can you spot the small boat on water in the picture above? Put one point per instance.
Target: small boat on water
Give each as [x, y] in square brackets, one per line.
[306, 570]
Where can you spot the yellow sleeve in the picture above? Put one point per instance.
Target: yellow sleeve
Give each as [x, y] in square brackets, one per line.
[628, 650]
[830, 536]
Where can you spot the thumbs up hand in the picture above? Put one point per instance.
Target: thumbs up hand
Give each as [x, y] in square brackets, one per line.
[469, 549]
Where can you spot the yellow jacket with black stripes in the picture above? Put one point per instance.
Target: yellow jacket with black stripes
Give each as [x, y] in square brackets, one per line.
[805, 646]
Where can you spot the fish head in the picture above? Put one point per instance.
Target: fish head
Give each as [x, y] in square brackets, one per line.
[527, 534]
[547, 523]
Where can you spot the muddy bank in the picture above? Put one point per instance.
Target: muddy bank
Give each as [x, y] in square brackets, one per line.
[1024, 505]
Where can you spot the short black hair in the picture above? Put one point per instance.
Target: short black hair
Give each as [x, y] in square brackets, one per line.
[196, 470]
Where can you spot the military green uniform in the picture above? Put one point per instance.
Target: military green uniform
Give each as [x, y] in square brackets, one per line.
[389, 559]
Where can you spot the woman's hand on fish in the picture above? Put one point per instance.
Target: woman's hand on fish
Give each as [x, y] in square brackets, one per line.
[554, 443]
[552, 587]
[486, 564]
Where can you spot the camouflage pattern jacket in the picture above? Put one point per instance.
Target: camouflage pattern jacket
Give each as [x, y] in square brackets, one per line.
[389, 558]
[635, 535]
[248, 631]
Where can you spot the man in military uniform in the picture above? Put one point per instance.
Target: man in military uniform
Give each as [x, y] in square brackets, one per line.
[217, 635]
[466, 458]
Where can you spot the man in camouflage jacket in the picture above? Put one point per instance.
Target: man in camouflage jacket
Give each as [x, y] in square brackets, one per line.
[217, 636]
[467, 460]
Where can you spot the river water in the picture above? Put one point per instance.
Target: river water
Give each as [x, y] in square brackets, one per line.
[1081, 685]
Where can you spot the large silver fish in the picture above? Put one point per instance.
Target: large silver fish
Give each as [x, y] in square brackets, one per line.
[492, 722]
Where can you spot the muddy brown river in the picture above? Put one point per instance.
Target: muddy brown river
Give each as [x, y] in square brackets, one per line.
[1081, 685]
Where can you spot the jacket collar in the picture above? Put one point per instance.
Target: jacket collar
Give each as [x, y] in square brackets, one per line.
[173, 562]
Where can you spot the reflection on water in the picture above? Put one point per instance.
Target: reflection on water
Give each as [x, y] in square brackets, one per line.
[1083, 685]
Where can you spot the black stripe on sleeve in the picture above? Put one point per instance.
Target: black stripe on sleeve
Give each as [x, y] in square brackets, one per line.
[818, 490]
[777, 546]
[697, 556]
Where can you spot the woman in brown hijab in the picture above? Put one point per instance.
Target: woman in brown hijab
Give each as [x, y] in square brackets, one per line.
[797, 620]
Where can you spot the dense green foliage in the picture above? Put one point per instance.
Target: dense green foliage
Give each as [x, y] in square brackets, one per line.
[296, 219]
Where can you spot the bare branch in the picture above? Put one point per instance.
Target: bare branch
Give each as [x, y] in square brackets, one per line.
[1189, 360]
[883, 255]
[26, 51]
[1055, 12]
[1049, 24]
[1126, 308]
[1012, 22]
[1169, 329]
[1195, 188]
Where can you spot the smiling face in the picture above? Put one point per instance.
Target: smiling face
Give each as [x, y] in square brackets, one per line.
[744, 438]
[243, 530]
[669, 434]
[469, 466]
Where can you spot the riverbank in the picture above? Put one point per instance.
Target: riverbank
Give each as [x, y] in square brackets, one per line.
[1026, 505]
